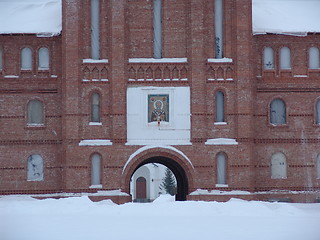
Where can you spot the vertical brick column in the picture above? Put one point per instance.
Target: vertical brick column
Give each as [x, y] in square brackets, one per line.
[245, 85]
[196, 60]
[118, 62]
[70, 81]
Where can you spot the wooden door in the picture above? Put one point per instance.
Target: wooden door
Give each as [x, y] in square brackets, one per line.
[141, 188]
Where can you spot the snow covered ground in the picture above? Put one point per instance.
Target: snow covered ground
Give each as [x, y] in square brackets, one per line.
[24, 218]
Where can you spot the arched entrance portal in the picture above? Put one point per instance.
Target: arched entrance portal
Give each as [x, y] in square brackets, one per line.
[177, 170]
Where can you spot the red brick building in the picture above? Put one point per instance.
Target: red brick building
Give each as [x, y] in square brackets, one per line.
[184, 83]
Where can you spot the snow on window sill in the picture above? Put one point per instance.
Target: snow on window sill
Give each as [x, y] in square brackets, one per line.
[300, 76]
[220, 60]
[220, 79]
[11, 76]
[26, 69]
[95, 123]
[160, 60]
[220, 123]
[96, 186]
[43, 69]
[222, 185]
[35, 125]
[89, 60]
[95, 80]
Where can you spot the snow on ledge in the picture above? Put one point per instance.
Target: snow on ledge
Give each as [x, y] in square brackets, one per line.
[218, 192]
[220, 123]
[95, 123]
[89, 60]
[220, 60]
[160, 60]
[221, 141]
[95, 142]
[11, 76]
[96, 186]
[117, 192]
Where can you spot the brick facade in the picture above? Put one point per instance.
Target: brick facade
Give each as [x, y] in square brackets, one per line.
[126, 31]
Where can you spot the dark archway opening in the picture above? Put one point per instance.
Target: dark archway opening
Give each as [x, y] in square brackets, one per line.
[177, 170]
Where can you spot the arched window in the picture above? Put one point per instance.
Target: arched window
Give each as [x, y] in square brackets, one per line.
[95, 169]
[278, 112]
[285, 58]
[314, 58]
[35, 113]
[95, 29]
[221, 169]
[26, 59]
[318, 166]
[219, 106]
[43, 58]
[268, 58]
[1, 59]
[95, 107]
[318, 111]
[35, 168]
[278, 166]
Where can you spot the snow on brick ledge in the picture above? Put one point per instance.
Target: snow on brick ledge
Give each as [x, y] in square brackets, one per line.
[218, 192]
[221, 141]
[95, 142]
[160, 60]
[41, 17]
[220, 60]
[116, 192]
[89, 60]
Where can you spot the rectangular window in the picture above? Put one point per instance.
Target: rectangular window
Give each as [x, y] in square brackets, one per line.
[157, 29]
[95, 29]
[218, 27]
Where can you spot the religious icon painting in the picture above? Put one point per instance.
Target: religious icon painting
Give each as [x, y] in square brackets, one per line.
[158, 108]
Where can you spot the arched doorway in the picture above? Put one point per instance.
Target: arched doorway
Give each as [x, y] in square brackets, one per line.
[177, 170]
